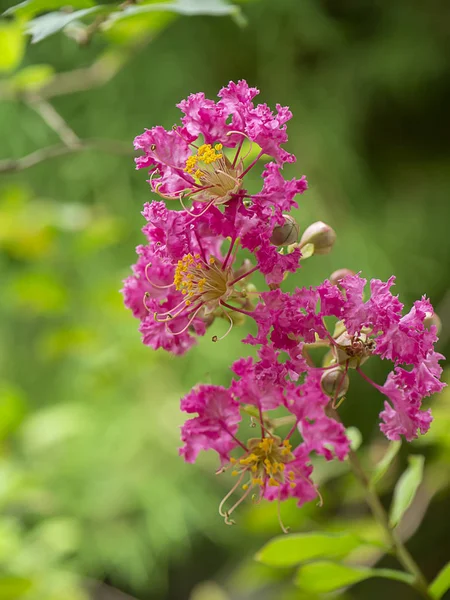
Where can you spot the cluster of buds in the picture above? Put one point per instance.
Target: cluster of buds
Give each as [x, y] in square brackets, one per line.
[188, 275]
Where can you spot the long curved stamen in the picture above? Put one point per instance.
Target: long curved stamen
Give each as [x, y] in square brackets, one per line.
[240, 145]
[159, 287]
[194, 215]
[283, 528]
[189, 322]
[230, 493]
[219, 339]
[146, 295]
[233, 508]
[170, 314]
[175, 129]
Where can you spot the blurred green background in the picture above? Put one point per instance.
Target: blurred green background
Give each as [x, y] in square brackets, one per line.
[95, 502]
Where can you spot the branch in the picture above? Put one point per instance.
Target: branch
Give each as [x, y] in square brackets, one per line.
[55, 121]
[99, 73]
[11, 165]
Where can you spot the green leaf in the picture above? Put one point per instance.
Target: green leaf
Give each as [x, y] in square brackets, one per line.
[325, 576]
[13, 588]
[406, 488]
[289, 550]
[12, 45]
[215, 8]
[384, 464]
[42, 27]
[29, 8]
[441, 583]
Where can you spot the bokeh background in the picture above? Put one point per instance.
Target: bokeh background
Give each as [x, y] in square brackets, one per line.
[95, 502]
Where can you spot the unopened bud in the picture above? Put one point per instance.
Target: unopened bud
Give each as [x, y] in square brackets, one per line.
[321, 235]
[335, 382]
[284, 235]
[432, 319]
[336, 277]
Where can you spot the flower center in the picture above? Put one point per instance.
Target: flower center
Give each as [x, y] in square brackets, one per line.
[353, 350]
[215, 173]
[266, 461]
[194, 279]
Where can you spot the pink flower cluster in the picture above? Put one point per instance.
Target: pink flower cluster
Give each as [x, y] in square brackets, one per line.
[187, 276]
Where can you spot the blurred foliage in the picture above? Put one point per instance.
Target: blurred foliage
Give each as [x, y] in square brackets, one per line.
[94, 496]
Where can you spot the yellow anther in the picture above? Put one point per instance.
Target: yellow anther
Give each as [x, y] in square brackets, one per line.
[291, 475]
[245, 486]
[254, 468]
[292, 485]
[273, 482]
[257, 481]
[233, 460]
[218, 147]
[190, 164]
[234, 473]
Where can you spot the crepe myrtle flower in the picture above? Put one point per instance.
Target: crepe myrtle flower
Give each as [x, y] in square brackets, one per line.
[190, 272]
[203, 159]
[270, 466]
[363, 328]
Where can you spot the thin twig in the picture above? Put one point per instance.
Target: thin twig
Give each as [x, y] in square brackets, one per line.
[392, 535]
[55, 121]
[11, 165]
[378, 511]
[103, 70]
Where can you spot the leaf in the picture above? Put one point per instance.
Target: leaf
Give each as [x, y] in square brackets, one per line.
[29, 8]
[12, 46]
[183, 7]
[13, 588]
[289, 550]
[42, 27]
[406, 488]
[441, 583]
[326, 576]
[384, 464]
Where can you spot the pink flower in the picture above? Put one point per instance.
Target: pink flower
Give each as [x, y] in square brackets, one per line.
[326, 437]
[204, 172]
[215, 426]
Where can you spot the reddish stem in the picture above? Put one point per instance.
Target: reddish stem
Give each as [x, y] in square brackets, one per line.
[251, 165]
[235, 308]
[367, 378]
[244, 275]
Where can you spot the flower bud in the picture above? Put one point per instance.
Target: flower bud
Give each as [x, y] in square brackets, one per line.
[335, 382]
[338, 275]
[321, 235]
[284, 235]
[432, 319]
